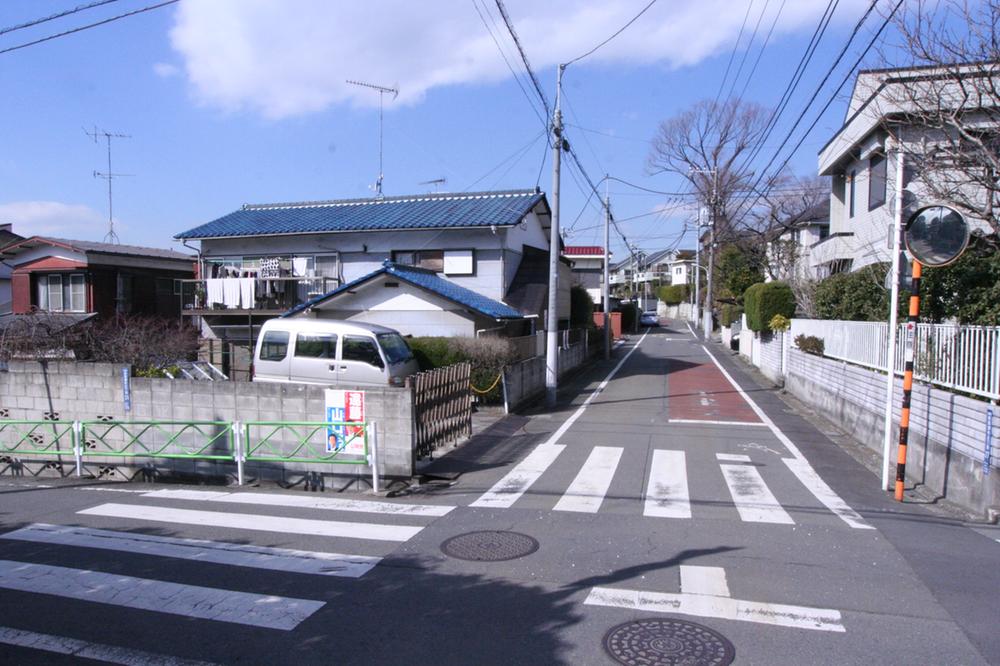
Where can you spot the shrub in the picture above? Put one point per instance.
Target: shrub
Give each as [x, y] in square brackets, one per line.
[779, 322]
[810, 344]
[856, 296]
[730, 313]
[674, 294]
[488, 356]
[764, 300]
[630, 316]
[147, 343]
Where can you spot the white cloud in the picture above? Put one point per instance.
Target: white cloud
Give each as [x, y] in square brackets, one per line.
[165, 70]
[289, 58]
[53, 218]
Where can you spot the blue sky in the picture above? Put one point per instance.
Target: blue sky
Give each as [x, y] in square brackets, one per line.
[240, 101]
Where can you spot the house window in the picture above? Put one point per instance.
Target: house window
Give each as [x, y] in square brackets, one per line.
[850, 194]
[824, 232]
[432, 260]
[876, 181]
[459, 262]
[62, 293]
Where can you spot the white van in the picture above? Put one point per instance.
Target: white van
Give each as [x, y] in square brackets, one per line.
[332, 353]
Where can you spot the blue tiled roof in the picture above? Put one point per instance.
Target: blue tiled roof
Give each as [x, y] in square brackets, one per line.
[426, 280]
[430, 211]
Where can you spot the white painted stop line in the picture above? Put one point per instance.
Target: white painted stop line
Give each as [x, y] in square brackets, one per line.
[200, 550]
[305, 502]
[207, 603]
[111, 654]
[249, 521]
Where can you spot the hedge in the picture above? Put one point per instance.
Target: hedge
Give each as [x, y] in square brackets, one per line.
[764, 300]
[487, 356]
[674, 294]
[730, 313]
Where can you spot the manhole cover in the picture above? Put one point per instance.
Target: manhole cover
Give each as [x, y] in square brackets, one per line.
[489, 546]
[657, 642]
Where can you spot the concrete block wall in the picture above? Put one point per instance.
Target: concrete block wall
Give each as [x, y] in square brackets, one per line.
[526, 380]
[771, 352]
[88, 391]
[947, 431]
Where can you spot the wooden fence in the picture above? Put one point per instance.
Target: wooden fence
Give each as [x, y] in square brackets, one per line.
[442, 406]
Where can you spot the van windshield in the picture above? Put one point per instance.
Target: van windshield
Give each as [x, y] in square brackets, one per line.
[395, 347]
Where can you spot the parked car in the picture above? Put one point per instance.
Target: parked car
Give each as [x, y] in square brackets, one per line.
[649, 319]
[332, 352]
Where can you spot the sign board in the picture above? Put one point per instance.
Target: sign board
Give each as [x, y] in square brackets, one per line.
[936, 235]
[345, 407]
[127, 388]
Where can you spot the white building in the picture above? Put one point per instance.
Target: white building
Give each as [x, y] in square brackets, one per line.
[588, 268]
[861, 158]
[789, 251]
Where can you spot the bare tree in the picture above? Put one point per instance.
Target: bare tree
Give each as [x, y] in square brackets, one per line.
[951, 101]
[705, 144]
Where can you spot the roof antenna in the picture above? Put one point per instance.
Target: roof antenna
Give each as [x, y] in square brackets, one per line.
[382, 90]
[437, 183]
[111, 236]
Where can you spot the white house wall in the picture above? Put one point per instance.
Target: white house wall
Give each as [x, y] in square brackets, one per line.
[529, 232]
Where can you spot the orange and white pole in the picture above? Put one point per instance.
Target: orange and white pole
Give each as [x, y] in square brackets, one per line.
[904, 417]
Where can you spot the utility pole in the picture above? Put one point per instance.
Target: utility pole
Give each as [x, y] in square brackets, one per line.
[713, 203]
[111, 236]
[896, 249]
[605, 288]
[552, 321]
[697, 273]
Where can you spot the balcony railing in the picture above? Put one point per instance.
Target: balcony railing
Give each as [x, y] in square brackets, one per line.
[238, 295]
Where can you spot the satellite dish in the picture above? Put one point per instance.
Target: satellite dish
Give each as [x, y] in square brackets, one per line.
[936, 235]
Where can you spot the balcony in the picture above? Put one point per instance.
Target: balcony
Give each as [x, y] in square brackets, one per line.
[249, 296]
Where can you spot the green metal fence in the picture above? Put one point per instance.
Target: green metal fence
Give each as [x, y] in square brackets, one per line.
[333, 442]
[37, 438]
[194, 440]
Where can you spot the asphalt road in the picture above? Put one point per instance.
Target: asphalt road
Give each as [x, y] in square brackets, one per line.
[678, 489]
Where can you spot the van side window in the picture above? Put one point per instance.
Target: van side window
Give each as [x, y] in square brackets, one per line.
[320, 345]
[275, 346]
[356, 348]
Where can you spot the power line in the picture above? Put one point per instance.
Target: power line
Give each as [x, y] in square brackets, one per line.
[833, 96]
[89, 26]
[620, 31]
[517, 152]
[524, 57]
[746, 52]
[763, 47]
[52, 17]
[732, 55]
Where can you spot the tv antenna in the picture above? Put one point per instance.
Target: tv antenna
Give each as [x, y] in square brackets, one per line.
[382, 90]
[111, 236]
[437, 183]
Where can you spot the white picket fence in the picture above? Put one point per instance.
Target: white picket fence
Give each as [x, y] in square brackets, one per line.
[962, 358]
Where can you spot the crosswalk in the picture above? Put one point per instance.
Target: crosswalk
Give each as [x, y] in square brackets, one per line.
[350, 536]
[666, 490]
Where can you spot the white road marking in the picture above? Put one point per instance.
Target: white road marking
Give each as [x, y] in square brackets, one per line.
[693, 334]
[704, 580]
[207, 603]
[200, 550]
[667, 493]
[804, 471]
[722, 423]
[831, 500]
[111, 654]
[306, 502]
[514, 484]
[112, 490]
[588, 489]
[246, 521]
[509, 489]
[733, 457]
[753, 499]
[701, 605]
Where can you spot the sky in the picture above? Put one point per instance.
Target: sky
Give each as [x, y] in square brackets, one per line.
[226, 102]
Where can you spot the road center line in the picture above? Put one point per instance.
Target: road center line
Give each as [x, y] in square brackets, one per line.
[509, 489]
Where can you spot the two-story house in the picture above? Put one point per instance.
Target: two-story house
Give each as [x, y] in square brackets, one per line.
[682, 267]
[789, 247]
[77, 277]
[885, 121]
[7, 236]
[265, 260]
[588, 269]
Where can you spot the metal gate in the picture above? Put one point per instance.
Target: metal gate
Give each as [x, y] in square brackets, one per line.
[442, 407]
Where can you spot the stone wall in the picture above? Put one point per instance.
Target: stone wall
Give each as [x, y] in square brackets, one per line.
[71, 391]
[947, 431]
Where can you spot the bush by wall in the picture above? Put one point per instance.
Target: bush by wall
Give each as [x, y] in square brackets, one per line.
[630, 316]
[487, 356]
[810, 344]
[764, 300]
[581, 308]
[674, 294]
[729, 313]
[856, 296]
